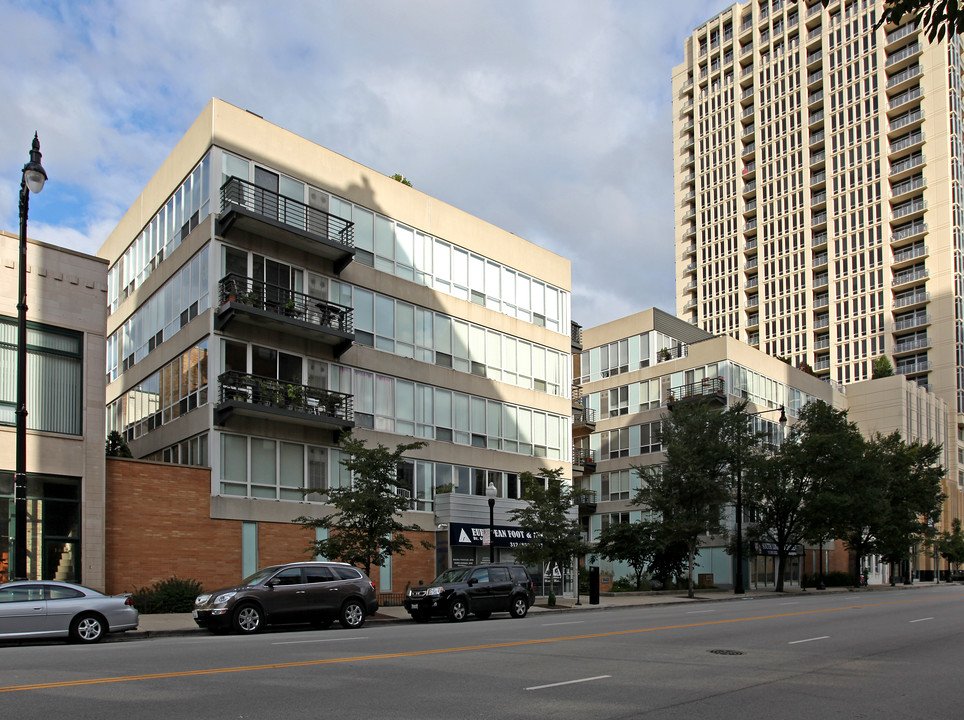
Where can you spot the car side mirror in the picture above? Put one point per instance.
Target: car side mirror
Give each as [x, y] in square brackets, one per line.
[473, 581]
[273, 582]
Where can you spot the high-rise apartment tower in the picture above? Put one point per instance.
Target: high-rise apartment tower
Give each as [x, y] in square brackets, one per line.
[818, 171]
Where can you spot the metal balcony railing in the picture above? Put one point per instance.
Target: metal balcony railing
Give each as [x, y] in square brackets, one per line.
[234, 386]
[583, 416]
[277, 207]
[583, 456]
[290, 303]
[702, 388]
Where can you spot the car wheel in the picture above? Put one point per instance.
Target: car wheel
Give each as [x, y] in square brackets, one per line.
[421, 617]
[87, 628]
[323, 622]
[519, 607]
[483, 615]
[248, 619]
[458, 610]
[352, 615]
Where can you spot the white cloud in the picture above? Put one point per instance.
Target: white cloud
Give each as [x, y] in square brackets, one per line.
[548, 118]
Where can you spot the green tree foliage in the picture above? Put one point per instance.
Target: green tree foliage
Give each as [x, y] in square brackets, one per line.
[939, 18]
[365, 529]
[634, 543]
[556, 536]
[909, 478]
[116, 446]
[951, 545]
[401, 178]
[882, 367]
[786, 486]
[688, 492]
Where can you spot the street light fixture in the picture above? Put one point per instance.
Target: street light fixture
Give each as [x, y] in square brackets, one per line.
[738, 584]
[491, 493]
[32, 181]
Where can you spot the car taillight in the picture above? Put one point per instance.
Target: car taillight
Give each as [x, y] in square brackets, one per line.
[129, 601]
[372, 584]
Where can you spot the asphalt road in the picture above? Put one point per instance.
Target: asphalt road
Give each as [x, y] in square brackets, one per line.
[854, 655]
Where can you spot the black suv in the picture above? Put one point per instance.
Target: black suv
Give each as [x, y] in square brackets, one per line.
[315, 592]
[479, 589]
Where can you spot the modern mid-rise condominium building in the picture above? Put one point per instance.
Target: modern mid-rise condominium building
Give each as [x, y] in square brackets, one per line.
[267, 295]
[632, 370]
[819, 169]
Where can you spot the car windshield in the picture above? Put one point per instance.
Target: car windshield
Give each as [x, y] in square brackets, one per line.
[260, 576]
[453, 575]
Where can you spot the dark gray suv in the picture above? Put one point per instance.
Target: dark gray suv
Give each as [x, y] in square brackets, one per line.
[479, 589]
[305, 592]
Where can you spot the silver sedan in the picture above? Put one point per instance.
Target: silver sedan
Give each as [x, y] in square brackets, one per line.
[42, 609]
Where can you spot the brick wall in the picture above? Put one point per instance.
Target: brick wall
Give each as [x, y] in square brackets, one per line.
[158, 525]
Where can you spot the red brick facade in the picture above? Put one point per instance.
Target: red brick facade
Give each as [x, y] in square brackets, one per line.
[158, 526]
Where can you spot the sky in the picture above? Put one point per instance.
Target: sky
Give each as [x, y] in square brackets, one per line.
[551, 119]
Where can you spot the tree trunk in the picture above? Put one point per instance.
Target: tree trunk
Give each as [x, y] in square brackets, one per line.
[781, 564]
[692, 562]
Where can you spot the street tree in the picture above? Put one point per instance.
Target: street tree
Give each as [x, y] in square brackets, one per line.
[634, 543]
[786, 485]
[688, 491]
[365, 529]
[556, 537]
[908, 476]
[951, 545]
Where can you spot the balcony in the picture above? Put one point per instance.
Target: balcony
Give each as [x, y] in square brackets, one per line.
[917, 206]
[821, 364]
[575, 330]
[819, 239]
[908, 96]
[915, 320]
[820, 259]
[821, 281]
[907, 141]
[814, 98]
[679, 350]
[821, 301]
[821, 344]
[707, 389]
[911, 345]
[900, 33]
[912, 184]
[245, 207]
[750, 246]
[271, 400]
[251, 302]
[904, 77]
[917, 298]
[584, 458]
[912, 368]
[908, 119]
[585, 500]
[905, 232]
[903, 167]
[903, 56]
[910, 254]
[583, 419]
[821, 321]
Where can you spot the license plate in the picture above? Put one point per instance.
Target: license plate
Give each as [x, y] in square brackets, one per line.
[194, 614]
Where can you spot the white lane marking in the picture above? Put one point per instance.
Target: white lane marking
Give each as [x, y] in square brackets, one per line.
[301, 642]
[571, 622]
[698, 612]
[790, 603]
[568, 682]
[795, 642]
[922, 619]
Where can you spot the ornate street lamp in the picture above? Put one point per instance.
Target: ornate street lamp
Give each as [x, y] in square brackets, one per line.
[491, 493]
[738, 584]
[34, 177]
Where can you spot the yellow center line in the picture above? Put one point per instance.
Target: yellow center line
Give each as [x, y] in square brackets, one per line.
[468, 648]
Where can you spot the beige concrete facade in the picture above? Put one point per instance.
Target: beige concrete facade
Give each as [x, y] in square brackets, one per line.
[65, 290]
[625, 398]
[818, 191]
[484, 376]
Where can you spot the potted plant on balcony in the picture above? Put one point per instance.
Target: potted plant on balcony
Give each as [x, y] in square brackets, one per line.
[663, 354]
[294, 396]
[289, 307]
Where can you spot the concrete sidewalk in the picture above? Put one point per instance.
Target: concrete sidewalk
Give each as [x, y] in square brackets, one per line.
[183, 624]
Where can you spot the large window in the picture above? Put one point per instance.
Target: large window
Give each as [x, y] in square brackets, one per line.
[55, 367]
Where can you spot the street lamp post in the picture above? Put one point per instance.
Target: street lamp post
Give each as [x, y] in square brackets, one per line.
[32, 181]
[738, 584]
[490, 493]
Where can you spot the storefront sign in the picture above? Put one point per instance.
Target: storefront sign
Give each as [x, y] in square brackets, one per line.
[769, 548]
[467, 535]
